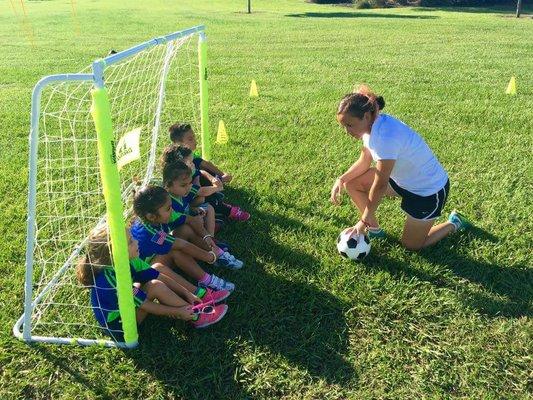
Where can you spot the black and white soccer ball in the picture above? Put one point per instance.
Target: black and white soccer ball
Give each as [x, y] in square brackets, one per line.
[355, 247]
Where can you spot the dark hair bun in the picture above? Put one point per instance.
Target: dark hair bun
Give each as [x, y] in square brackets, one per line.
[381, 102]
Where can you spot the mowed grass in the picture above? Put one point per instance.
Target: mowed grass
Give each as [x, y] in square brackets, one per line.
[453, 321]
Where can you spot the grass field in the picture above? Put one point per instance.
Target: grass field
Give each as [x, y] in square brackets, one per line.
[453, 321]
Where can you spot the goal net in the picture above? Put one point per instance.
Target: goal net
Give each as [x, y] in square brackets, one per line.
[147, 88]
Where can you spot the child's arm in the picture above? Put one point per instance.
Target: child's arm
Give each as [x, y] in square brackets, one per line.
[209, 190]
[197, 201]
[198, 226]
[197, 211]
[358, 168]
[209, 166]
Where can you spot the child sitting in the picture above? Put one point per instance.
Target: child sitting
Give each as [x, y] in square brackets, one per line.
[174, 153]
[183, 135]
[153, 207]
[178, 182]
[95, 270]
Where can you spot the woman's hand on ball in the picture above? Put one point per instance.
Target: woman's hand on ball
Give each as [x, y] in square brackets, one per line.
[357, 229]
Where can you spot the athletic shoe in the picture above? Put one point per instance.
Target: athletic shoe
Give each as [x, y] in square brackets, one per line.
[228, 261]
[459, 221]
[208, 315]
[220, 284]
[222, 209]
[223, 245]
[214, 296]
[376, 233]
[236, 214]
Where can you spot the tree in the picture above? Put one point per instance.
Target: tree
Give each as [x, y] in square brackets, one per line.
[250, 6]
[518, 8]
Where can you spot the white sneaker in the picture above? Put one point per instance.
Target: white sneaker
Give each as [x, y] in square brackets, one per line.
[228, 261]
[220, 284]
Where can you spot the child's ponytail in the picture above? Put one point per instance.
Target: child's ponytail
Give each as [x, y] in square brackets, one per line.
[84, 271]
[97, 257]
[174, 153]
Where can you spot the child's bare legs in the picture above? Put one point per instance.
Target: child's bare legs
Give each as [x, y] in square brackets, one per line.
[176, 283]
[163, 269]
[185, 232]
[170, 304]
[210, 220]
[183, 254]
[185, 262]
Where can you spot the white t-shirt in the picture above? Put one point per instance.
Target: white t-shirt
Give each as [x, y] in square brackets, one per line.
[416, 168]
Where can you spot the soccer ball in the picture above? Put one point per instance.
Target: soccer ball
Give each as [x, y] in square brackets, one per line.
[353, 247]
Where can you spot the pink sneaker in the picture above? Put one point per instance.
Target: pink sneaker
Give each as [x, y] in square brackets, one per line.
[236, 214]
[214, 296]
[208, 315]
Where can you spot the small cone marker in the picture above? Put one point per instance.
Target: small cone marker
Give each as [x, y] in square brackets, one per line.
[222, 135]
[511, 87]
[253, 89]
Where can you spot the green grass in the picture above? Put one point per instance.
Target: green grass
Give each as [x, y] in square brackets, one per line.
[453, 321]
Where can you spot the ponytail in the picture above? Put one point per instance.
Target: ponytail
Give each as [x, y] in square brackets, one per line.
[174, 153]
[84, 271]
[97, 257]
[361, 101]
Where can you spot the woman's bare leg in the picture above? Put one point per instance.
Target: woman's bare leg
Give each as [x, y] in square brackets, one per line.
[358, 189]
[418, 234]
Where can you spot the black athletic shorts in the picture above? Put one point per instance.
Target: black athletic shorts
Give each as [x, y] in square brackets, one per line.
[422, 207]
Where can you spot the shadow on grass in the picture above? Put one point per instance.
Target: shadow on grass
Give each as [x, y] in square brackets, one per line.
[275, 329]
[504, 291]
[62, 358]
[504, 10]
[358, 15]
[271, 320]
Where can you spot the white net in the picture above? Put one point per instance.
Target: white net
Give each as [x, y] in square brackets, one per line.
[69, 203]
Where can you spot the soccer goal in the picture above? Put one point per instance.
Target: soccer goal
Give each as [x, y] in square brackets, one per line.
[95, 136]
